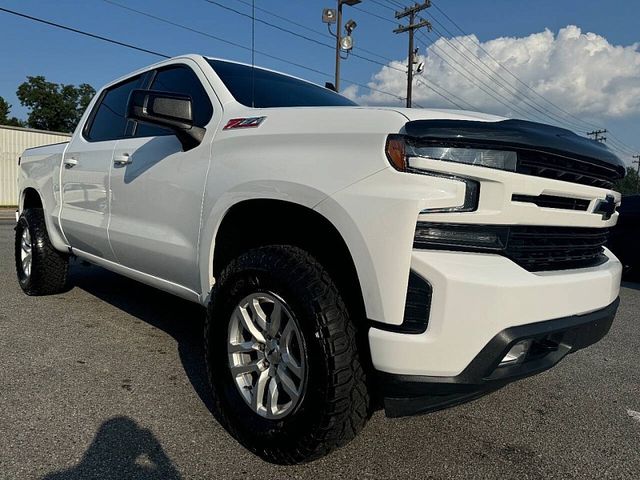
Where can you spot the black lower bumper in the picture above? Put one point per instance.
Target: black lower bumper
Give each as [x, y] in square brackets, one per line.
[552, 340]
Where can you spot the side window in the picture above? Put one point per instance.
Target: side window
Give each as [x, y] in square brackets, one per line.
[109, 121]
[179, 79]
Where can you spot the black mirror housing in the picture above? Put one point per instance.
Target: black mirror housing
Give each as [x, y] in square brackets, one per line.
[166, 109]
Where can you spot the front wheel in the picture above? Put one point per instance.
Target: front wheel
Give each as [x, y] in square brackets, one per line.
[282, 358]
[41, 269]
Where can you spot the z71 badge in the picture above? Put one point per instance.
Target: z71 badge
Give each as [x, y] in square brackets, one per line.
[249, 122]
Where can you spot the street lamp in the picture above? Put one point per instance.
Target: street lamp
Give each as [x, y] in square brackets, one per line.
[330, 16]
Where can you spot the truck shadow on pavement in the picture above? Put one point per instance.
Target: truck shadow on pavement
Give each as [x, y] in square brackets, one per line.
[121, 449]
[633, 284]
[181, 319]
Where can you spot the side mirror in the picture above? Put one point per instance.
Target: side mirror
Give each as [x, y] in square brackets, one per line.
[170, 110]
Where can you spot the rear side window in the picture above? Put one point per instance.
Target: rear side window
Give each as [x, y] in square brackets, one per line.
[109, 121]
[179, 79]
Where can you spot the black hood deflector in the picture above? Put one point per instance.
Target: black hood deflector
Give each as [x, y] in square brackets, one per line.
[517, 134]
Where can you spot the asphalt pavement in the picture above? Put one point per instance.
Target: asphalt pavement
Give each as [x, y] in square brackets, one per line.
[106, 381]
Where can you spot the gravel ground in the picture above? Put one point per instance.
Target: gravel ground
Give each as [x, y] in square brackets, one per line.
[107, 381]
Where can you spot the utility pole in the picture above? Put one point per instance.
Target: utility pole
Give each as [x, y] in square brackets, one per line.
[411, 12]
[597, 135]
[637, 160]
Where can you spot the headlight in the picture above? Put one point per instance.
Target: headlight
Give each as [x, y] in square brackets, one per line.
[501, 159]
[399, 154]
[401, 149]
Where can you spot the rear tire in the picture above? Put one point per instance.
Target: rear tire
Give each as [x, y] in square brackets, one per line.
[333, 403]
[41, 269]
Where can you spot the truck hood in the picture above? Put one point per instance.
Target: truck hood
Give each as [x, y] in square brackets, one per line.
[412, 114]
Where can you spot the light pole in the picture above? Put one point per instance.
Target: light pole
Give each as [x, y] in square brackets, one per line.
[330, 16]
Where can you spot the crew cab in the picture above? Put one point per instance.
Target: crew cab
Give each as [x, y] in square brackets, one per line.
[348, 257]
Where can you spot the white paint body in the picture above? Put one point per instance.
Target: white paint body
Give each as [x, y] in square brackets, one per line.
[159, 226]
[14, 141]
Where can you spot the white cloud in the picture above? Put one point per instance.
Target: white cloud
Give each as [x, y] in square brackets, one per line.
[580, 72]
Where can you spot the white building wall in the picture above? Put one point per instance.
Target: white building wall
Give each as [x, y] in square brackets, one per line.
[14, 141]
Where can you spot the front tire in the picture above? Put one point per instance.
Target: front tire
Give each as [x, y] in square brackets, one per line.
[281, 355]
[41, 269]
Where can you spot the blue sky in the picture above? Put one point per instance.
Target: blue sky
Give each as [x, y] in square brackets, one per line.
[33, 49]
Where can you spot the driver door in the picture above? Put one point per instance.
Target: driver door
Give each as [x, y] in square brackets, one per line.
[157, 189]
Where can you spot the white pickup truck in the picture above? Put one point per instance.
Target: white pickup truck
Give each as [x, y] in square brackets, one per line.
[349, 257]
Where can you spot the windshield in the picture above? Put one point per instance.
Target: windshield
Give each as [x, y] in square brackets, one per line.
[272, 89]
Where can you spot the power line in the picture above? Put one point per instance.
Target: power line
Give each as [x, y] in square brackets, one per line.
[507, 102]
[380, 17]
[291, 32]
[383, 5]
[81, 32]
[615, 142]
[484, 87]
[127, 45]
[305, 27]
[493, 75]
[420, 81]
[505, 68]
[499, 64]
[613, 138]
[396, 4]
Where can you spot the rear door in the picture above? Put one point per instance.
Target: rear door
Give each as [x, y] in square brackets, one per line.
[85, 177]
[157, 188]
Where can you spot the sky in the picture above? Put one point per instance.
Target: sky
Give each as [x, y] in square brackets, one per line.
[575, 63]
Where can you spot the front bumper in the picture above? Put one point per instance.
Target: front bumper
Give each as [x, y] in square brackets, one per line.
[552, 339]
[477, 296]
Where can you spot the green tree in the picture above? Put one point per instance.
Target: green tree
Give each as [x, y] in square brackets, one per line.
[629, 184]
[54, 106]
[5, 109]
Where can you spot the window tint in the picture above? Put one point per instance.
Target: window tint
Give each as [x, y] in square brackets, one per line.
[109, 121]
[270, 89]
[179, 79]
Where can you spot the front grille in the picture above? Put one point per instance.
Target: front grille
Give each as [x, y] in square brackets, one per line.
[558, 167]
[556, 248]
[553, 201]
[534, 248]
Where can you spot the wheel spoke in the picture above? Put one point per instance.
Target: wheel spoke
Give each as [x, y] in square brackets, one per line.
[244, 347]
[287, 331]
[287, 383]
[248, 324]
[237, 370]
[272, 398]
[275, 319]
[259, 316]
[257, 397]
[292, 364]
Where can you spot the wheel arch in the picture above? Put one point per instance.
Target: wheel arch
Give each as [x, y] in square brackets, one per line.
[31, 197]
[257, 222]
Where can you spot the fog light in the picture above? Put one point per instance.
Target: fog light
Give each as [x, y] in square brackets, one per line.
[517, 353]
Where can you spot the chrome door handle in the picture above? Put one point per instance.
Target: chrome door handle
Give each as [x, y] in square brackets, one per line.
[121, 160]
[70, 162]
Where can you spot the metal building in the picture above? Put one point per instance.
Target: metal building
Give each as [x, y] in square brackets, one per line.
[14, 141]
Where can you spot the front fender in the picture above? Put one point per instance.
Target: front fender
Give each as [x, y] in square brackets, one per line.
[215, 210]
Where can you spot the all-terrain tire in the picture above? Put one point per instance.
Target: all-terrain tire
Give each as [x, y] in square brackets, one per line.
[335, 404]
[49, 267]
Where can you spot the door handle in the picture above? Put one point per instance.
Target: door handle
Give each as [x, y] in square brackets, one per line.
[70, 162]
[122, 160]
